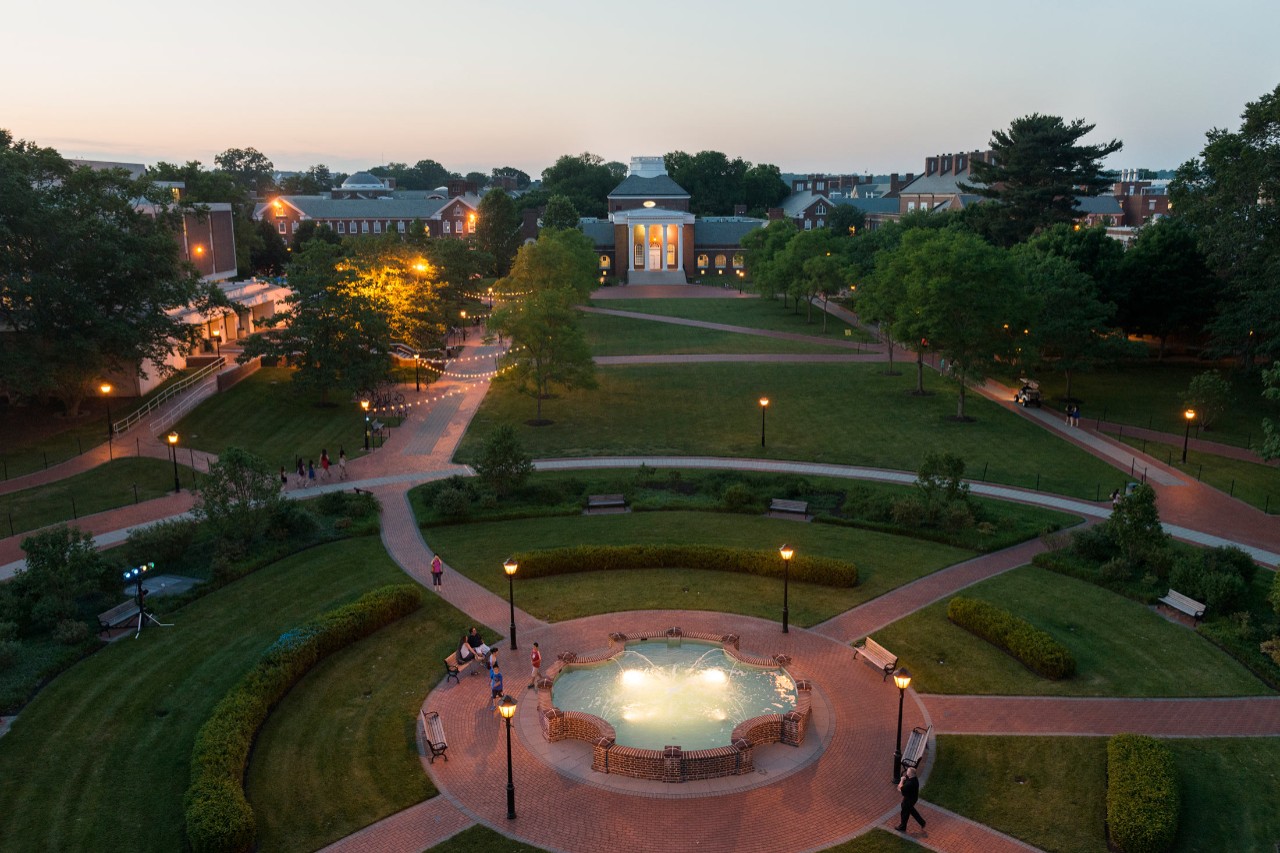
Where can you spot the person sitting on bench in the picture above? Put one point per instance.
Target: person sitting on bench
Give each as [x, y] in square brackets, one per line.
[477, 645]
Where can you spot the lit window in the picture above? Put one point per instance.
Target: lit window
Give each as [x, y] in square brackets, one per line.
[738, 261]
[604, 262]
[720, 262]
[471, 225]
[703, 262]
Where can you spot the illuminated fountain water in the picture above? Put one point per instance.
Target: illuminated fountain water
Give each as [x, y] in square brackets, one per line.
[656, 694]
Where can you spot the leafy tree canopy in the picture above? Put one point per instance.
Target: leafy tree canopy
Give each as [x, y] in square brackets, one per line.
[314, 181]
[423, 175]
[504, 465]
[498, 230]
[585, 179]
[715, 183]
[1168, 288]
[560, 213]
[249, 168]
[1040, 167]
[548, 348]
[522, 178]
[237, 495]
[563, 259]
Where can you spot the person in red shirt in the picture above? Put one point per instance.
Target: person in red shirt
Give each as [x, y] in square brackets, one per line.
[535, 660]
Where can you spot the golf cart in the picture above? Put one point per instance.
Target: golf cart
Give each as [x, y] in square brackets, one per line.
[1028, 394]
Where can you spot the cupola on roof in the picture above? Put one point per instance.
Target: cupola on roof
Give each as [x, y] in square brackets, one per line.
[363, 181]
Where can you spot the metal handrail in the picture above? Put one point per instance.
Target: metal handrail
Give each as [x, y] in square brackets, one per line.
[127, 423]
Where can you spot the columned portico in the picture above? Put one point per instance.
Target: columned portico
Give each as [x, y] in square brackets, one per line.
[655, 244]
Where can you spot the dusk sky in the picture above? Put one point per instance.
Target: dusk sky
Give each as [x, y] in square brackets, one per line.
[810, 86]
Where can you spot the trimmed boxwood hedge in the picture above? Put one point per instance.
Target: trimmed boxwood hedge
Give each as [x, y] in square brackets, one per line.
[607, 558]
[1143, 801]
[219, 818]
[1035, 649]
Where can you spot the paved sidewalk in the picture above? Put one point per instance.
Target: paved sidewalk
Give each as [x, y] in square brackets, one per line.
[416, 828]
[949, 832]
[1230, 451]
[1250, 716]
[839, 343]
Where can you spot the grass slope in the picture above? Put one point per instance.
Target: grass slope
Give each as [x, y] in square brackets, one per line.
[607, 335]
[105, 747]
[884, 562]
[840, 413]
[1121, 647]
[768, 314]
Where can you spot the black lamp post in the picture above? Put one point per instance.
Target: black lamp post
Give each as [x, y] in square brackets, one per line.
[463, 326]
[417, 377]
[1190, 415]
[902, 678]
[136, 574]
[173, 449]
[105, 388]
[764, 407]
[510, 567]
[787, 553]
[364, 404]
[507, 708]
[217, 340]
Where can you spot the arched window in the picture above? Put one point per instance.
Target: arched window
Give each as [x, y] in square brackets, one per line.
[604, 262]
[703, 262]
[720, 262]
[738, 261]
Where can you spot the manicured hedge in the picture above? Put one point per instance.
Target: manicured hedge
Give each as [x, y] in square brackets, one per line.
[1033, 648]
[1142, 794]
[607, 558]
[219, 818]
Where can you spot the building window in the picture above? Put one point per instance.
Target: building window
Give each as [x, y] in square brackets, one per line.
[808, 225]
[353, 226]
[703, 262]
[819, 186]
[822, 208]
[459, 226]
[739, 261]
[604, 262]
[822, 223]
[400, 226]
[446, 227]
[471, 224]
[281, 226]
[720, 262]
[377, 228]
[1151, 205]
[296, 223]
[342, 228]
[911, 205]
[364, 227]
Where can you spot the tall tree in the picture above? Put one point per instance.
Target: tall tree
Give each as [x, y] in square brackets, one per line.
[238, 495]
[959, 289]
[1040, 167]
[559, 259]
[315, 180]
[1168, 287]
[560, 213]
[585, 179]
[522, 178]
[269, 255]
[845, 220]
[1093, 253]
[763, 246]
[249, 168]
[480, 179]
[548, 349]
[90, 280]
[1229, 195]
[1271, 428]
[498, 230]
[763, 188]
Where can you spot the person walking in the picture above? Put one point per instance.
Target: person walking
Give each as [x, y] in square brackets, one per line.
[342, 464]
[1075, 415]
[324, 462]
[437, 570]
[535, 661]
[909, 785]
[302, 473]
[311, 472]
[495, 687]
[284, 479]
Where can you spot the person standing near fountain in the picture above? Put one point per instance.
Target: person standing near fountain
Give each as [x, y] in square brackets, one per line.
[535, 661]
[495, 687]
[910, 788]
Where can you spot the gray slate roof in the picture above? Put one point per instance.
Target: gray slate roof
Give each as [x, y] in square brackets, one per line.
[948, 184]
[1106, 205]
[599, 230]
[796, 203]
[324, 207]
[634, 186]
[870, 205]
[724, 231]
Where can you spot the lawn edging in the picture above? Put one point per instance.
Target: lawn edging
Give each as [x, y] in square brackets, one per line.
[825, 571]
[1035, 649]
[218, 816]
[1143, 802]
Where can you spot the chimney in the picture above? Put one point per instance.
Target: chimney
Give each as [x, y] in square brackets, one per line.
[930, 165]
[739, 210]
[775, 213]
[944, 164]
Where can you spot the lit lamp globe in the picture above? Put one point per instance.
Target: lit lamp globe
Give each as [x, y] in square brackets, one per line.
[902, 678]
[173, 438]
[510, 566]
[507, 707]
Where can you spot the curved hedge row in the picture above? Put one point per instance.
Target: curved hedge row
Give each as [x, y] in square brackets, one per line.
[1033, 648]
[218, 817]
[1143, 802]
[607, 558]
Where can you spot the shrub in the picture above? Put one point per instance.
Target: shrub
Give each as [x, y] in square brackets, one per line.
[331, 504]
[956, 517]
[1037, 650]
[164, 543]
[607, 558]
[9, 652]
[452, 502]
[1142, 794]
[1214, 577]
[218, 817]
[8, 631]
[290, 520]
[1094, 543]
[737, 497]
[71, 632]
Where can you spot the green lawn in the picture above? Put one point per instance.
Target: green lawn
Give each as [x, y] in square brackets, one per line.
[267, 415]
[839, 413]
[884, 563]
[608, 335]
[1230, 793]
[1251, 482]
[878, 841]
[751, 313]
[105, 487]
[340, 751]
[1152, 395]
[1047, 791]
[103, 751]
[1121, 647]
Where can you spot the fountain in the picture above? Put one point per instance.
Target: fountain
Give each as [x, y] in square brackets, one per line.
[673, 706]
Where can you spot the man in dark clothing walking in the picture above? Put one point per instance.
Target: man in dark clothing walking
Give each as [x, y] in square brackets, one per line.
[910, 788]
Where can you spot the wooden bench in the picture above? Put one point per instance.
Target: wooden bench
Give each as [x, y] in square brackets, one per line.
[606, 502]
[120, 614]
[878, 655]
[800, 508]
[433, 734]
[916, 745]
[1183, 604]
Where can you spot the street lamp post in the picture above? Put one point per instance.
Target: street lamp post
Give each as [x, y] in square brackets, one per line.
[463, 326]
[1190, 415]
[787, 553]
[507, 708]
[902, 678]
[510, 567]
[105, 388]
[173, 449]
[417, 377]
[364, 404]
[764, 407]
[217, 340]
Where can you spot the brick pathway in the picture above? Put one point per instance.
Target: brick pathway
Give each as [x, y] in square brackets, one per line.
[952, 833]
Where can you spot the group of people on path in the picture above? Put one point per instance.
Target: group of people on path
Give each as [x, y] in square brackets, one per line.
[473, 647]
[307, 472]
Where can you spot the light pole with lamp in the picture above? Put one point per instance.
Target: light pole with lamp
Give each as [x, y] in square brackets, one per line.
[463, 326]
[417, 377]
[1190, 415]
[217, 340]
[105, 388]
[364, 404]
[787, 553]
[764, 407]
[510, 567]
[902, 678]
[507, 708]
[173, 449]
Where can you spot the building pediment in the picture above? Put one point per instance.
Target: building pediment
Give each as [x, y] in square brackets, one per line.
[651, 215]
